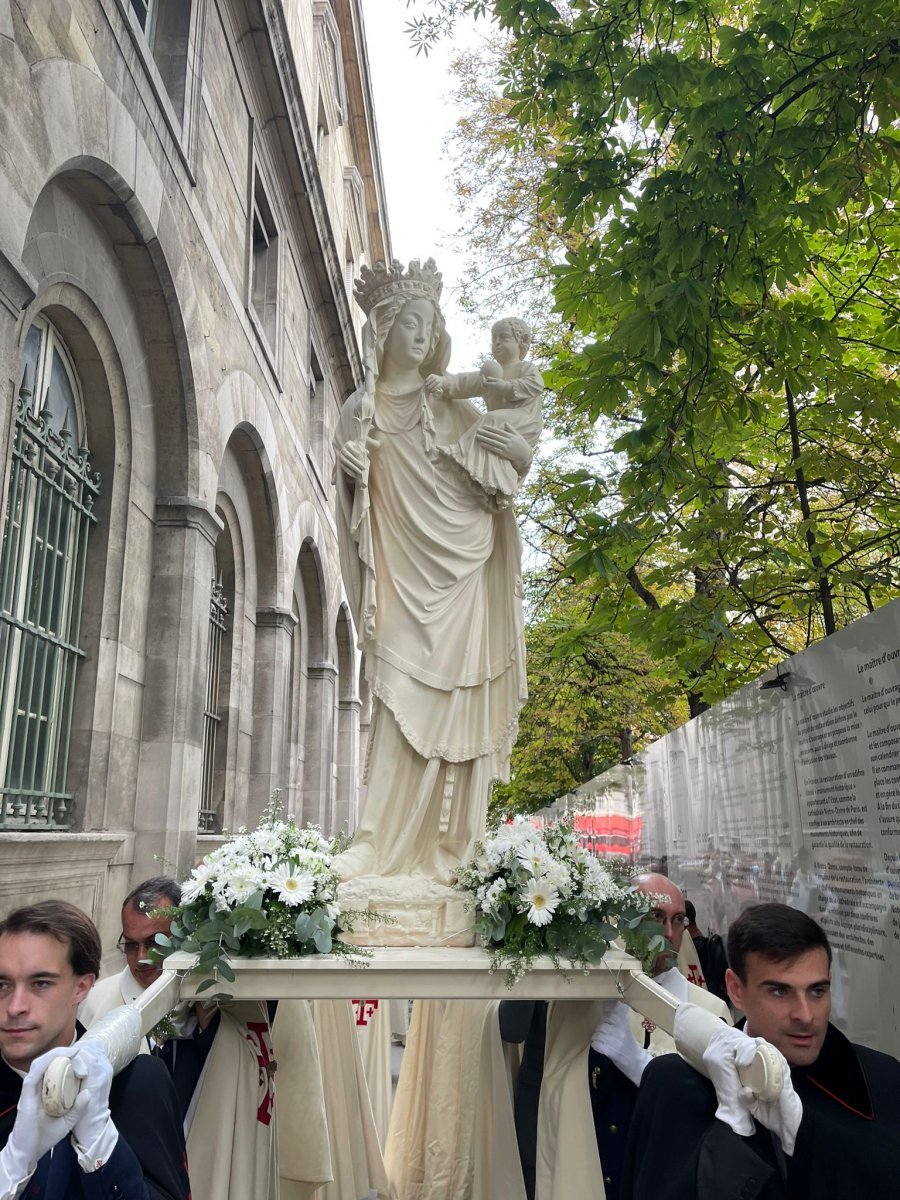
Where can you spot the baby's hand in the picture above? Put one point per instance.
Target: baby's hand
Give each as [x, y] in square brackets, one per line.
[436, 385]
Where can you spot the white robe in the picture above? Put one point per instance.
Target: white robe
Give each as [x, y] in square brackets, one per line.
[355, 1151]
[235, 1093]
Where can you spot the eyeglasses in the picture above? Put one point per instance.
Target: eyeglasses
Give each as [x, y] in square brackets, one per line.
[130, 948]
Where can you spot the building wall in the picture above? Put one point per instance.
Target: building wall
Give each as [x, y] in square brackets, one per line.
[137, 167]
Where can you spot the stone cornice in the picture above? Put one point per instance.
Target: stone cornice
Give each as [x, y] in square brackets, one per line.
[322, 670]
[276, 618]
[363, 127]
[17, 289]
[184, 512]
[279, 40]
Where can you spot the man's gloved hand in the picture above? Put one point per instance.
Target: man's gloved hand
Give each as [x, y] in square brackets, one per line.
[781, 1116]
[34, 1132]
[613, 1037]
[729, 1049]
[94, 1135]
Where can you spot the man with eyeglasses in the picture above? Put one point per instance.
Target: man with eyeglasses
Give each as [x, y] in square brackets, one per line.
[141, 922]
[220, 1058]
[623, 1044]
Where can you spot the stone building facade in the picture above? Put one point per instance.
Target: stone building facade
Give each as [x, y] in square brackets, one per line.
[188, 189]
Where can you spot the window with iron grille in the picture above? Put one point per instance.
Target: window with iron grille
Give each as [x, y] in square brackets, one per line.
[49, 513]
[210, 819]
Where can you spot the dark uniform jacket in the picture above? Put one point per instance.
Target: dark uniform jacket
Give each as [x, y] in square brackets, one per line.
[149, 1161]
[525, 1021]
[613, 1097]
[848, 1144]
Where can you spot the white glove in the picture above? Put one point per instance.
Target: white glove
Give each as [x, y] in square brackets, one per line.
[782, 1116]
[729, 1049]
[94, 1136]
[34, 1132]
[614, 1038]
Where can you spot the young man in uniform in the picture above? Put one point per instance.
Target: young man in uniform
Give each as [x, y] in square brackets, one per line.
[835, 1132]
[123, 1136]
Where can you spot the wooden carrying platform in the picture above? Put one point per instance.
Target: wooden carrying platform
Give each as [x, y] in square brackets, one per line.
[405, 973]
[409, 973]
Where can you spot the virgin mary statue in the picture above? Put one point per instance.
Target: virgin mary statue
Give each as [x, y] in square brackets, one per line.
[434, 582]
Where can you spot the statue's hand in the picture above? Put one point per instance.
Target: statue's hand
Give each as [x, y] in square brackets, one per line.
[354, 459]
[435, 385]
[505, 442]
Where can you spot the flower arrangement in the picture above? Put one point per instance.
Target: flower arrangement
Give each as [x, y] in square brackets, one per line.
[537, 892]
[269, 893]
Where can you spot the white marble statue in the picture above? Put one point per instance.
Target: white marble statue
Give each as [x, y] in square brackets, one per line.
[511, 386]
[433, 574]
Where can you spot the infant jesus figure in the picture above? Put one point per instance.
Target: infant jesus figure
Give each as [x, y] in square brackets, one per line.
[511, 386]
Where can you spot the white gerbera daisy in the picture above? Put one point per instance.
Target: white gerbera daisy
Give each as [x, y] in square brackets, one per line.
[543, 899]
[240, 888]
[191, 889]
[534, 858]
[292, 885]
[267, 840]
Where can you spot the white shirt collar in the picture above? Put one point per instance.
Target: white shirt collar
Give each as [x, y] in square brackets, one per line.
[129, 987]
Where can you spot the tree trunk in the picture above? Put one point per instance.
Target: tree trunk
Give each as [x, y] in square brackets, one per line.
[626, 742]
[824, 584]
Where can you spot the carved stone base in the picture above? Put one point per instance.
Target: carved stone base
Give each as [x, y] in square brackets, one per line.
[424, 913]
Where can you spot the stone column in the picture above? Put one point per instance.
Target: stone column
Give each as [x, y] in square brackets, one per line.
[318, 765]
[365, 725]
[270, 752]
[168, 787]
[346, 801]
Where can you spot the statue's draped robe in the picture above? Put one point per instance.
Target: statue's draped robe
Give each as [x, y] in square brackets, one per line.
[434, 581]
[452, 1134]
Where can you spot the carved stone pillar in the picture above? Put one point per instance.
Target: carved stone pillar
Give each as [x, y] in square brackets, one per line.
[346, 800]
[318, 766]
[269, 763]
[168, 787]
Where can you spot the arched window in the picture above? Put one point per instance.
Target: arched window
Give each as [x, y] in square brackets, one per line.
[49, 513]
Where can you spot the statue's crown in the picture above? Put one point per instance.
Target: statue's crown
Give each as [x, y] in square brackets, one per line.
[379, 282]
